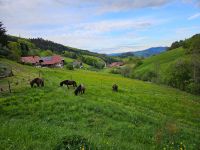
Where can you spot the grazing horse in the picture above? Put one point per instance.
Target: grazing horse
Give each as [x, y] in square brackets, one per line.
[68, 82]
[38, 81]
[80, 89]
[115, 87]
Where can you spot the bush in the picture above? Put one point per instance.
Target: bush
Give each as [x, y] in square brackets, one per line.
[140, 62]
[193, 88]
[179, 74]
[149, 76]
[115, 71]
[69, 66]
[126, 71]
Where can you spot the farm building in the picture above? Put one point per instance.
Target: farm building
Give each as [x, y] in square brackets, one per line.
[77, 64]
[50, 61]
[116, 64]
[34, 60]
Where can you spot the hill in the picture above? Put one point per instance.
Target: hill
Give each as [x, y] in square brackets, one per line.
[163, 60]
[150, 51]
[140, 116]
[143, 53]
[17, 47]
[41, 44]
[178, 67]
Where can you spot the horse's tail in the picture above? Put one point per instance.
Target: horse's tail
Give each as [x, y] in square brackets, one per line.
[61, 83]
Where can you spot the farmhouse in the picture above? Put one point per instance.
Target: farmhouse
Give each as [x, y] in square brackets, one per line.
[50, 61]
[116, 64]
[34, 60]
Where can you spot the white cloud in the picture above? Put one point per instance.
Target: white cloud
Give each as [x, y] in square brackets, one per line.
[195, 16]
[111, 25]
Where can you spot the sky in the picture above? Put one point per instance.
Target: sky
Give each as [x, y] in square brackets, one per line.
[103, 26]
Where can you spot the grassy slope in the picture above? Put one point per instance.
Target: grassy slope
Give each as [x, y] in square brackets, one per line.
[163, 60]
[70, 60]
[140, 116]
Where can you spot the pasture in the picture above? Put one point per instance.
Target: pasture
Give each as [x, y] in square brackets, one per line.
[141, 115]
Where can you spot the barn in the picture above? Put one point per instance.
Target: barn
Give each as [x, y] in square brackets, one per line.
[49, 61]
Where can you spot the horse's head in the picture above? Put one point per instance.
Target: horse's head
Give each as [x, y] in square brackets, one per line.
[31, 83]
[76, 92]
[75, 84]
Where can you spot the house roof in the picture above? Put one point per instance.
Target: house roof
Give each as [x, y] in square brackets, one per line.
[30, 59]
[50, 60]
[116, 64]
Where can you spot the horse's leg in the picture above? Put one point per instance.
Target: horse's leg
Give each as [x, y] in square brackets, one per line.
[67, 86]
[38, 84]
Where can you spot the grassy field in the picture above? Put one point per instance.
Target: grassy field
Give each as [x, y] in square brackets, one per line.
[140, 116]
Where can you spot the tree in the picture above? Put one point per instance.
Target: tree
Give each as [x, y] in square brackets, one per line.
[3, 36]
[176, 44]
[15, 50]
[179, 74]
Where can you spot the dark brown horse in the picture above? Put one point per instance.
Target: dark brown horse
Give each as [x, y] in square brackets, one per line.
[115, 87]
[68, 82]
[38, 82]
[80, 89]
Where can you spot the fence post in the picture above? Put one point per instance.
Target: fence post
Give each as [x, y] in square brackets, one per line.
[9, 86]
[71, 77]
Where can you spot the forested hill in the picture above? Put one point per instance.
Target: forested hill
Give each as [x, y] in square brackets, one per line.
[56, 47]
[178, 67]
[41, 44]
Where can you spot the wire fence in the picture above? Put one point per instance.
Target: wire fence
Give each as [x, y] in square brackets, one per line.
[13, 84]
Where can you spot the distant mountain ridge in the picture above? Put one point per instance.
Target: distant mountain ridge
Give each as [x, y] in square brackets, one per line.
[143, 53]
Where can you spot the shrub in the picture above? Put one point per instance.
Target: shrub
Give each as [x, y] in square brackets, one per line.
[193, 88]
[69, 66]
[179, 74]
[115, 71]
[149, 76]
[140, 62]
[126, 71]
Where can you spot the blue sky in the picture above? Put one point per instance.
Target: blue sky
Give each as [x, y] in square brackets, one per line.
[104, 26]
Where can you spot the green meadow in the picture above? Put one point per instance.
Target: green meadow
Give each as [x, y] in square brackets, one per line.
[161, 62]
[142, 115]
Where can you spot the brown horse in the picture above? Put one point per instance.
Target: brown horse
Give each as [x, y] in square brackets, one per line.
[68, 82]
[38, 82]
[80, 89]
[115, 87]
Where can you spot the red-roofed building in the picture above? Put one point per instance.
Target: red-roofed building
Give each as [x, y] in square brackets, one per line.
[116, 64]
[50, 61]
[34, 60]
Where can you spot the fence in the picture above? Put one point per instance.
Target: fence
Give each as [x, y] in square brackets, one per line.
[17, 82]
